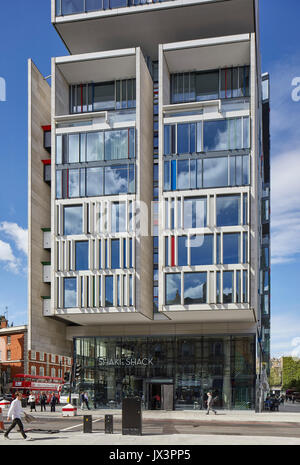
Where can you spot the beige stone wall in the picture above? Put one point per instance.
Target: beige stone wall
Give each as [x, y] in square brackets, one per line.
[44, 334]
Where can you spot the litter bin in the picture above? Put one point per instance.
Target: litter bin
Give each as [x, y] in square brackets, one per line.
[109, 424]
[87, 424]
[132, 416]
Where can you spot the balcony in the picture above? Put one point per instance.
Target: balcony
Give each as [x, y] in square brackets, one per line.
[86, 25]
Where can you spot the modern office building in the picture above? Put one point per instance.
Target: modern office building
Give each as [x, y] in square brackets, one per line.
[148, 162]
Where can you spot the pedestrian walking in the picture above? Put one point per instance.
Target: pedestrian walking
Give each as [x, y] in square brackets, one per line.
[53, 402]
[82, 400]
[210, 402]
[31, 401]
[86, 400]
[43, 400]
[15, 412]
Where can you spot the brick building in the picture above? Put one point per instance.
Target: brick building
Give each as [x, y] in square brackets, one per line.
[15, 358]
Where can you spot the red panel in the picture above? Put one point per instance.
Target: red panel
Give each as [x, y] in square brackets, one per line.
[47, 162]
[173, 251]
[46, 128]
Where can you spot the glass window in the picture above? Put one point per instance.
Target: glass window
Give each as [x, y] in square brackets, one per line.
[207, 85]
[182, 250]
[118, 217]
[215, 172]
[173, 289]
[81, 255]
[70, 292]
[94, 182]
[195, 288]
[73, 148]
[231, 248]
[109, 291]
[58, 150]
[202, 249]
[195, 212]
[95, 146]
[227, 287]
[115, 253]
[167, 175]
[72, 6]
[73, 223]
[92, 5]
[183, 174]
[245, 287]
[116, 144]
[215, 136]
[228, 210]
[104, 96]
[73, 187]
[58, 184]
[116, 179]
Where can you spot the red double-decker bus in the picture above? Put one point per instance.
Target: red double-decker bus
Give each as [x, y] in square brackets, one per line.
[38, 385]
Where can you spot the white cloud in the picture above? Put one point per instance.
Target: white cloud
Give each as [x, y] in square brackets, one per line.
[7, 256]
[285, 334]
[17, 234]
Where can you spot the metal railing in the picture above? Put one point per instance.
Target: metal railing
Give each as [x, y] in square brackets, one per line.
[71, 7]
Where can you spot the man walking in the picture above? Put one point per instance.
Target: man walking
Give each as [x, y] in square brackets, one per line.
[86, 400]
[15, 411]
[43, 402]
[210, 403]
[53, 402]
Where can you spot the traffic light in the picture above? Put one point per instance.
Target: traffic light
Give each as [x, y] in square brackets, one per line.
[77, 370]
[67, 376]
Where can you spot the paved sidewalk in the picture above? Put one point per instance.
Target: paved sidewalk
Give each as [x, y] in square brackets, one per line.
[222, 415]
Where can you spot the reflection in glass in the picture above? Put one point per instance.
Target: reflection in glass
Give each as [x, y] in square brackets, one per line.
[118, 217]
[94, 182]
[231, 248]
[182, 250]
[173, 289]
[95, 146]
[202, 249]
[195, 212]
[227, 287]
[215, 172]
[73, 183]
[73, 148]
[81, 255]
[104, 96]
[115, 253]
[70, 292]
[73, 223]
[109, 291]
[195, 288]
[228, 210]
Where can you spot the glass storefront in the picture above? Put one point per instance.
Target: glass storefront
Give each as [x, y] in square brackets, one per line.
[161, 367]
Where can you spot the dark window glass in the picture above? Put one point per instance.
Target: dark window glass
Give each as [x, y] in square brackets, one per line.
[207, 85]
[81, 255]
[173, 289]
[72, 6]
[228, 210]
[92, 5]
[70, 292]
[202, 249]
[195, 288]
[183, 138]
[73, 223]
[109, 291]
[115, 253]
[182, 251]
[104, 96]
[231, 248]
[215, 135]
[94, 182]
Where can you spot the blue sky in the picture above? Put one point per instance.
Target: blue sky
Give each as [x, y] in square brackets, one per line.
[26, 32]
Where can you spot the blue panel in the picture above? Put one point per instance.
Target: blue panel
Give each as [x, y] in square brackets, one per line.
[173, 175]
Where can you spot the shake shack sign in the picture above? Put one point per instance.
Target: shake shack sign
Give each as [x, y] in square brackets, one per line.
[125, 362]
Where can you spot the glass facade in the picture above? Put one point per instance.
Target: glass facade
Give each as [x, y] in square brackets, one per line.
[72, 7]
[117, 367]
